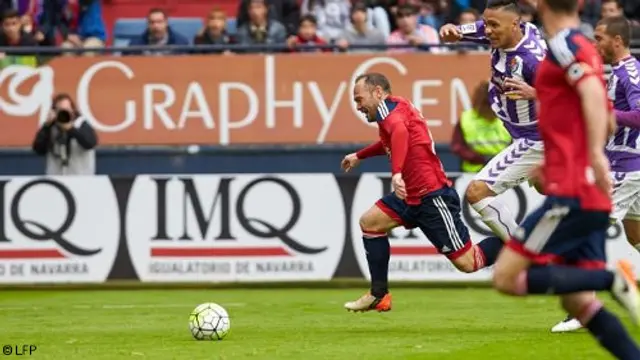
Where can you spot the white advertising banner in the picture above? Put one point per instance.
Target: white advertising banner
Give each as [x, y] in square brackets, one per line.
[57, 230]
[235, 227]
[414, 258]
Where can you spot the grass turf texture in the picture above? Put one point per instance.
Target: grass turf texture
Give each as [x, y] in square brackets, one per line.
[443, 324]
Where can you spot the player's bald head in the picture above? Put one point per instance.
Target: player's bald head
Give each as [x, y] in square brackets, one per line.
[617, 26]
[373, 80]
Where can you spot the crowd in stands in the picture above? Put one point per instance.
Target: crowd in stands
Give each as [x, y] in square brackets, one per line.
[347, 24]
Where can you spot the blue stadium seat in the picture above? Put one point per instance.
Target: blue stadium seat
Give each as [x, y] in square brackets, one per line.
[232, 26]
[188, 27]
[126, 29]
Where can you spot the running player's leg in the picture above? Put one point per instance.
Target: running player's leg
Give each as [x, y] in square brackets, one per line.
[506, 170]
[439, 219]
[553, 234]
[628, 196]
[602, 324]
[588, 310]
[626, 207]
[375, 224]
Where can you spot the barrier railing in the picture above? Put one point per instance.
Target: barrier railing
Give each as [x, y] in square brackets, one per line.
[242, 48]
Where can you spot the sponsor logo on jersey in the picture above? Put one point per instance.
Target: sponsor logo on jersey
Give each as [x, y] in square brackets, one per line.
[468, 29]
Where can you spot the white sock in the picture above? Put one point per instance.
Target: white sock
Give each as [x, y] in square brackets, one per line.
[497, 216]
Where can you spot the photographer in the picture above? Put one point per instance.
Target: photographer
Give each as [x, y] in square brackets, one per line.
[66, 140]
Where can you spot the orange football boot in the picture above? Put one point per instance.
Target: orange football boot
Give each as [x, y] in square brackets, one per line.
[369, 302]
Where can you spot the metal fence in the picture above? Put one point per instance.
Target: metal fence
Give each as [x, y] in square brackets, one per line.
[45, 52]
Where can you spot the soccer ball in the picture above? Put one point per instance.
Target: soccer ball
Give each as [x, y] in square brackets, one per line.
[209, 321]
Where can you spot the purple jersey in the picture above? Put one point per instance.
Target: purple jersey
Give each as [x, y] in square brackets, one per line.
[623, 89]
[520, 62]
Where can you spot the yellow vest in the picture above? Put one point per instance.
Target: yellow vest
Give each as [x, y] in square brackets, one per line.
[485, 137]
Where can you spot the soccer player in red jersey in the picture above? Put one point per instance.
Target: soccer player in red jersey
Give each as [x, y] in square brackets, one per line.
[565, 237]
[423, 195]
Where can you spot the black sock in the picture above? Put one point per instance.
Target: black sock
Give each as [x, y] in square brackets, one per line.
[378, 254]
[566, 280]
[490, 247]
[610, 333]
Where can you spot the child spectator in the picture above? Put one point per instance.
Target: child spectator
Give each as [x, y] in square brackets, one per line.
[214, 33]
[307, 35]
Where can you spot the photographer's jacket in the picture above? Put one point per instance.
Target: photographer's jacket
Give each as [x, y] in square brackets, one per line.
[69, 152]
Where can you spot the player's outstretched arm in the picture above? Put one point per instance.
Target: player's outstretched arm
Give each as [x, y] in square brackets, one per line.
[630, 118]
[375, 149]
[353, 160]
[451, 33]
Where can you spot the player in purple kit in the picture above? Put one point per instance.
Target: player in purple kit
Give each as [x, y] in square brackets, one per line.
[623, 150]
[517, 49]
[560, 247]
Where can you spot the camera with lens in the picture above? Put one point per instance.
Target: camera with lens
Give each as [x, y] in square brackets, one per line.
[63, 117]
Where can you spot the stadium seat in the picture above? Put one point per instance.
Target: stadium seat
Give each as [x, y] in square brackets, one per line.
[188, 27]
[232, 26]
[126, 29]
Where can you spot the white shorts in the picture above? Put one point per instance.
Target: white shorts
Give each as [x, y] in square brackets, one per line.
[626, 195]
[511, 167]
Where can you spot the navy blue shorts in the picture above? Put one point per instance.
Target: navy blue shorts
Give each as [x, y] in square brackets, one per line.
[560, 232]
[437, 216]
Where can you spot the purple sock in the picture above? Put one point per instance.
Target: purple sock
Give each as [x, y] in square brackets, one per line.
[611, 335]
[378, 254]
[566, 280]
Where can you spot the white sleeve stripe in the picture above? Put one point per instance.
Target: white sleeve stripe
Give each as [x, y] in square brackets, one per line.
[383, 110]
[560, 50]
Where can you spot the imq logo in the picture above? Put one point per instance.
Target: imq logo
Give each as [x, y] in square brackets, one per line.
[35, 229]
[255, 226]
[57, 229]
[218, 222]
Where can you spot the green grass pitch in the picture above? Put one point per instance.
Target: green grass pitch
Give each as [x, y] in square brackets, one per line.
[447, 324]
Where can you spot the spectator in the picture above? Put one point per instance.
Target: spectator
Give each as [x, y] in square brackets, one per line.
[590, 11]
[159, 33]
[453, 8]
[409, 32]
[611, 8]
[12, 34]
[261, 29]
[28, 27]
[66, 140]
[307, 35]
[87, 29]
[214, 33]
[389, 7]
[479, 135]
[468, 16]
[428, 16]
[359, 33]
[332, 15]
[285, 12]
[377, 16]
[528, 13]
[79, 22]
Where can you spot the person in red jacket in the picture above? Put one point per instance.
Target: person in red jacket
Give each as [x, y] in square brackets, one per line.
[307, 35]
